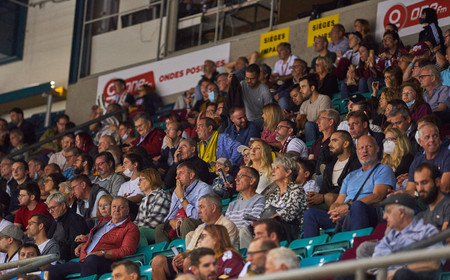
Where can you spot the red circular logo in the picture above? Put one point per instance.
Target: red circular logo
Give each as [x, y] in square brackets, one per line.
[396, 15]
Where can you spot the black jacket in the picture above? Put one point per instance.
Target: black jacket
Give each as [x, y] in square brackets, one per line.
[327, 186]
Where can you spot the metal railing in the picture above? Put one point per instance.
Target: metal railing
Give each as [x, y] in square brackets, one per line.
[26, 265]
[359, 267]
[78, 127]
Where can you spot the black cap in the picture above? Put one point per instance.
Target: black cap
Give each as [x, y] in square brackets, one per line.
[356, 33]
[400, 199]
[355, 98]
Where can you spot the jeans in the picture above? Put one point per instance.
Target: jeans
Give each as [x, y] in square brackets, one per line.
[363, 216]
[313, 220]
[311, 131]
[92, 265]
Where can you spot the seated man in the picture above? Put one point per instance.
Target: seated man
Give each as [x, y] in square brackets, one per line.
[87, 196]
[210, 212]
[248, 201]
[256, 257]
[285, 134]
[344, 161]
[125, 270]
[54, 146]
[241, 129]
[204, 265]
[359, 126]
[299, 70]
[400, 117]
[427, 179]
[185, 198]
[405, 230]
[187, 152]
[110, 240]
[29, 200]
[360, 190]
[67, 226]
[172, 139]
[214, 145]
[434, 153]
[37, 229]
[107, 178]
[67, 141]
[25, 126]
[283, 67]
[71, 154]
[11, 237]
[281, 259]
[151, 138]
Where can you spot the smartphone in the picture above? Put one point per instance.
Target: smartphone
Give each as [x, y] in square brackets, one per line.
[222, 175]
[174, 250]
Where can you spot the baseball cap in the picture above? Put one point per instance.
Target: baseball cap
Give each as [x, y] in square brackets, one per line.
[400, 199]
[356, 33]
[241, 149]
[225, 162]
[12, 231]
[420, 48]
[355, 98]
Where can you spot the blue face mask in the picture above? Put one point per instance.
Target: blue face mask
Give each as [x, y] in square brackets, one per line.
[212, 96]
[409, 104]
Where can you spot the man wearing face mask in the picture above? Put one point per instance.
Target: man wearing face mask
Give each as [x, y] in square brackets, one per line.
[132, 165]
[213, 96]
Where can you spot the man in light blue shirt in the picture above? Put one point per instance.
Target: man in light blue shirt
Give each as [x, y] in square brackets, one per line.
[405, 230]
[445, 75]
[189, 189]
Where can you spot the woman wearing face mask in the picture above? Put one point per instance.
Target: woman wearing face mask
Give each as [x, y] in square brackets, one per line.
[413, 96]
[397, 151]
[132, 165]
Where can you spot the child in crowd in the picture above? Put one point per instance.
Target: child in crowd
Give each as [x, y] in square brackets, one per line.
[223, 184]
[305, 173]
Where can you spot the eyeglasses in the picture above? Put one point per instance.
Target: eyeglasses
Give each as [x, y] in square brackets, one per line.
[282, 126]
[423, 76]
[393, 139]
[239, 176]
[104, 205]
[100, 163]
[51, 209]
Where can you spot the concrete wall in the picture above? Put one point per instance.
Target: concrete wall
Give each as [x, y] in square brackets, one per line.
[48, 43]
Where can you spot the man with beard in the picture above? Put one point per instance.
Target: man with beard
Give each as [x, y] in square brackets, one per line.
[344, 161]
[427, 180]
[67, 142]
[83, 165]
[360, 190]
[241, 130]
[203, 263]
[285, 134]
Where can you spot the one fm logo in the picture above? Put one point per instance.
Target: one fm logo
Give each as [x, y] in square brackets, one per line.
[404, 17]
[133, 84]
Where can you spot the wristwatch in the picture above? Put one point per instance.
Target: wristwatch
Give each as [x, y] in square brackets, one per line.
[183, 199]
[103, 253]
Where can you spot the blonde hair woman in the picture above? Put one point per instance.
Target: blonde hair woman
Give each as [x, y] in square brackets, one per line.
[397, 151]
[327, 82]
[261, 159]
[272, 115]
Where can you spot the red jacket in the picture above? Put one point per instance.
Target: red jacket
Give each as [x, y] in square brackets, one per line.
[152, 142]
[121, 240]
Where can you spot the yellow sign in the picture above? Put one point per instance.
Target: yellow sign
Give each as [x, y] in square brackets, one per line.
[270, 40]
[321, 28]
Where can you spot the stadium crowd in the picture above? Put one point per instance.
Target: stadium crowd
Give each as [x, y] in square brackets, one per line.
[268, 139]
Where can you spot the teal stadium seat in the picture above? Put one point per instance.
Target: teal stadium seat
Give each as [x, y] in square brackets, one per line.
[146, 272]
[106, 276]
[319, 260]
[283, 243]
[444, 276]
[148, 250]
[243, 252]
[350, 235]
[303, 247]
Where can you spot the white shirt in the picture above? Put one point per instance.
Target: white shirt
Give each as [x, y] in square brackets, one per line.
[282, 68]
[130, 189]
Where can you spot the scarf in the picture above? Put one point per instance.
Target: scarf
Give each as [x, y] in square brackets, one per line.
[208, 153]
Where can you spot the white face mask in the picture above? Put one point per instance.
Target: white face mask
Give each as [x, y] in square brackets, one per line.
[388, 147]
[124, 137]
[127, 172]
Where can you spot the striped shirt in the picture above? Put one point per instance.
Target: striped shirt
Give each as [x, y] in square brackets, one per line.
[238, 208]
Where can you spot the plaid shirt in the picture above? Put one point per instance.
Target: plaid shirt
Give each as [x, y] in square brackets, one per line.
[153, 209]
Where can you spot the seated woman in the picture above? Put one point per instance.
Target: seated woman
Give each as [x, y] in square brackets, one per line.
[272, 115]
[287, 200]
[327, 82]
[412, 94]
[360, 79]
[229, 262]
[387, 94]
[153, 208]
[261, 160]
[393, 79]
[127, 134]
[397, 152]
[51, 183]
[83, 141]
[103, 211]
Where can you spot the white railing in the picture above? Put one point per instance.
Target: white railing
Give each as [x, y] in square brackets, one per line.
[26, 265]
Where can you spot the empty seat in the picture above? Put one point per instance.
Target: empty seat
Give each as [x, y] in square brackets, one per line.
[320, 260]
[303, 247]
